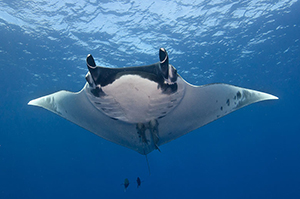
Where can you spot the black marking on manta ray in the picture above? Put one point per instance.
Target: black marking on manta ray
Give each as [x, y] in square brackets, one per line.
[228, 102]
[161, 116]
[239, 95]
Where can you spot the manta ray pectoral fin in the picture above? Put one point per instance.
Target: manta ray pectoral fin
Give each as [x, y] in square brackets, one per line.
[52, 102]
[76, 108]
[204, 104]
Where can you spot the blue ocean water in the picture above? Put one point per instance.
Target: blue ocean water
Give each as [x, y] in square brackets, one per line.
[251, 153]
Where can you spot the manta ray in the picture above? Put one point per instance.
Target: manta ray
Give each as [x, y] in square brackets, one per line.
[144, 107]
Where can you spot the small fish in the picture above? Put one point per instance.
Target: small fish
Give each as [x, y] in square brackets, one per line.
[126, 184]
[138, 181]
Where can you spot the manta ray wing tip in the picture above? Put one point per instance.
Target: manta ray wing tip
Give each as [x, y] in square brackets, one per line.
[35, 102]
[31, 102]
[271, 97]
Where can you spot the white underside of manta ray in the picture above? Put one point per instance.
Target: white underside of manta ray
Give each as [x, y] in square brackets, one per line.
[145, 107]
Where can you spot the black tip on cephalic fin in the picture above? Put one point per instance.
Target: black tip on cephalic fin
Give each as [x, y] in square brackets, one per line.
[164, 62]
[163, 55]
[90, 62]
[93, 69]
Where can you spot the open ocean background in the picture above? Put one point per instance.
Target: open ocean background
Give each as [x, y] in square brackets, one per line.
[251, 153]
